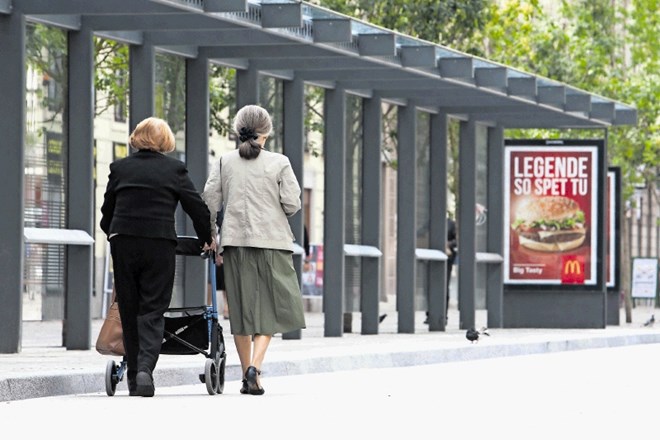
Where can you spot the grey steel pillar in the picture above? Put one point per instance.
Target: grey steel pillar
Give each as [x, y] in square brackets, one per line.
[496, 224]
[12, 167]
[613, 293]
[77, 329]
[247, 87]
[195, 279]
[603, 233]
[142, 60]
[294, 105]
[406, 275]
[334, 139]
[467, 156]
[438, 223]
[371, 212]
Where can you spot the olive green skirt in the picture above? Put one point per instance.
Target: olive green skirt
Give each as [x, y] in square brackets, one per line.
[262, 291]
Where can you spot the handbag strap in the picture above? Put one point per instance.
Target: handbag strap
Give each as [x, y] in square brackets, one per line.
[220, 215]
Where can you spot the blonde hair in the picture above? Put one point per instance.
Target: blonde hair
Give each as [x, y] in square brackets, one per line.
[153, 134]
[251, 122]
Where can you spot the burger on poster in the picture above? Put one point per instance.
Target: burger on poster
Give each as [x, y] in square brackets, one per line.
[549, 223]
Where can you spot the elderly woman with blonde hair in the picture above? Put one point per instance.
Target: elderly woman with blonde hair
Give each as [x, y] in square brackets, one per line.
[258, 191]
[143, 192]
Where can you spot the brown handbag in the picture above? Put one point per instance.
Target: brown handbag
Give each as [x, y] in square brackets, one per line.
[110, 340]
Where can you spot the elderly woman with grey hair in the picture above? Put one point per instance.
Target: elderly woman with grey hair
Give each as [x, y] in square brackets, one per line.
[257, 190]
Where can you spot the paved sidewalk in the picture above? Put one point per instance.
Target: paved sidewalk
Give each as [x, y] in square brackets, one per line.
[44, 368]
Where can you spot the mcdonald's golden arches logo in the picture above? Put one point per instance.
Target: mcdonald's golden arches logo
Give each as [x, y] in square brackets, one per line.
[572, 271]
[572, 267]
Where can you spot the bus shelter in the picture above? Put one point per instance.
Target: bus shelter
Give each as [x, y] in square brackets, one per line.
[298, 43]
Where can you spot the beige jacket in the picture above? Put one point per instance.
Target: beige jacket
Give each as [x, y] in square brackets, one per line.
[258, 196]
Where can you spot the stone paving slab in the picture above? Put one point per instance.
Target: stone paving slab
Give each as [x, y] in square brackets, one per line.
[44, 368]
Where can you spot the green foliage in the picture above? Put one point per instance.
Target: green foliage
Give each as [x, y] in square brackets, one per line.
[520, 35]
[170, 90]
[222, 95]
[110, 74]
[599, 46]
[313, 118]
[46, 54]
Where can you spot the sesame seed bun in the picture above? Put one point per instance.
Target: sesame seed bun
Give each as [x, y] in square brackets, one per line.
[546, 208]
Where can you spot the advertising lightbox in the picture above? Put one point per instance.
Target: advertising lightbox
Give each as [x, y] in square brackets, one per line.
[551, 211]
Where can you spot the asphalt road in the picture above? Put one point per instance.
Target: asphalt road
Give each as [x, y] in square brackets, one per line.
[602, 393]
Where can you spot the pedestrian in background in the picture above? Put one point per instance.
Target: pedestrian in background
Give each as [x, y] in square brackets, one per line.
[259, 191]
[452, 252]
[143, 192]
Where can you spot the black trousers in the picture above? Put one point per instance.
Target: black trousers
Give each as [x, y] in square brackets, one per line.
[144, 277]
[450, 265]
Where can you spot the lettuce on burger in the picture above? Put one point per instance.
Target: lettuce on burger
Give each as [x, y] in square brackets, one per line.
[550, 224]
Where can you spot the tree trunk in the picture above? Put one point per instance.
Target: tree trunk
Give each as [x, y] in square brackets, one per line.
[624, 265]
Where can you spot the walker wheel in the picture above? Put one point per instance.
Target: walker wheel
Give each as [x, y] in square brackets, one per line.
[111, 379]
[211, 376]
[221, 373]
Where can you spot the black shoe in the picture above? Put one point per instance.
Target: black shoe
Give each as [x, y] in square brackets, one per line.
[132, 384]
[145, 384]
[251, 379]
[244, 387]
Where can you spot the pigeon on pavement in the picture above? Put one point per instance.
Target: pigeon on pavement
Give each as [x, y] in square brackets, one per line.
[472, 334]
[650, 321]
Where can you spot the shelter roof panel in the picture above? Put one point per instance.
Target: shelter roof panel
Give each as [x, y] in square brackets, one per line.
[232, 37]
[337, 62]
[224, 5]
[289, 37]
[281, 15]
[183, 51]
[126, 37]
[70, 22]
[271, 52]
[78, 7]
[416, 55]
[331, 30]
[178, 21]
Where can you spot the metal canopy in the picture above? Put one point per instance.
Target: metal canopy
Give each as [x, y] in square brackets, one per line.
[288, 38]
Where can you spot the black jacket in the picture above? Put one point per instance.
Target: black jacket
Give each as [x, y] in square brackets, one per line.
[452, 244]
[143, 192]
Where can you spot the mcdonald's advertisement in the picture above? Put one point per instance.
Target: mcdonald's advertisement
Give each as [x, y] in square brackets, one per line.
[551, 213]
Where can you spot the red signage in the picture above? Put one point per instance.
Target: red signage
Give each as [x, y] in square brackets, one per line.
[573, 269]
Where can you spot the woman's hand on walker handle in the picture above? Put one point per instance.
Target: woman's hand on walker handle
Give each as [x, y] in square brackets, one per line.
[210, 247]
